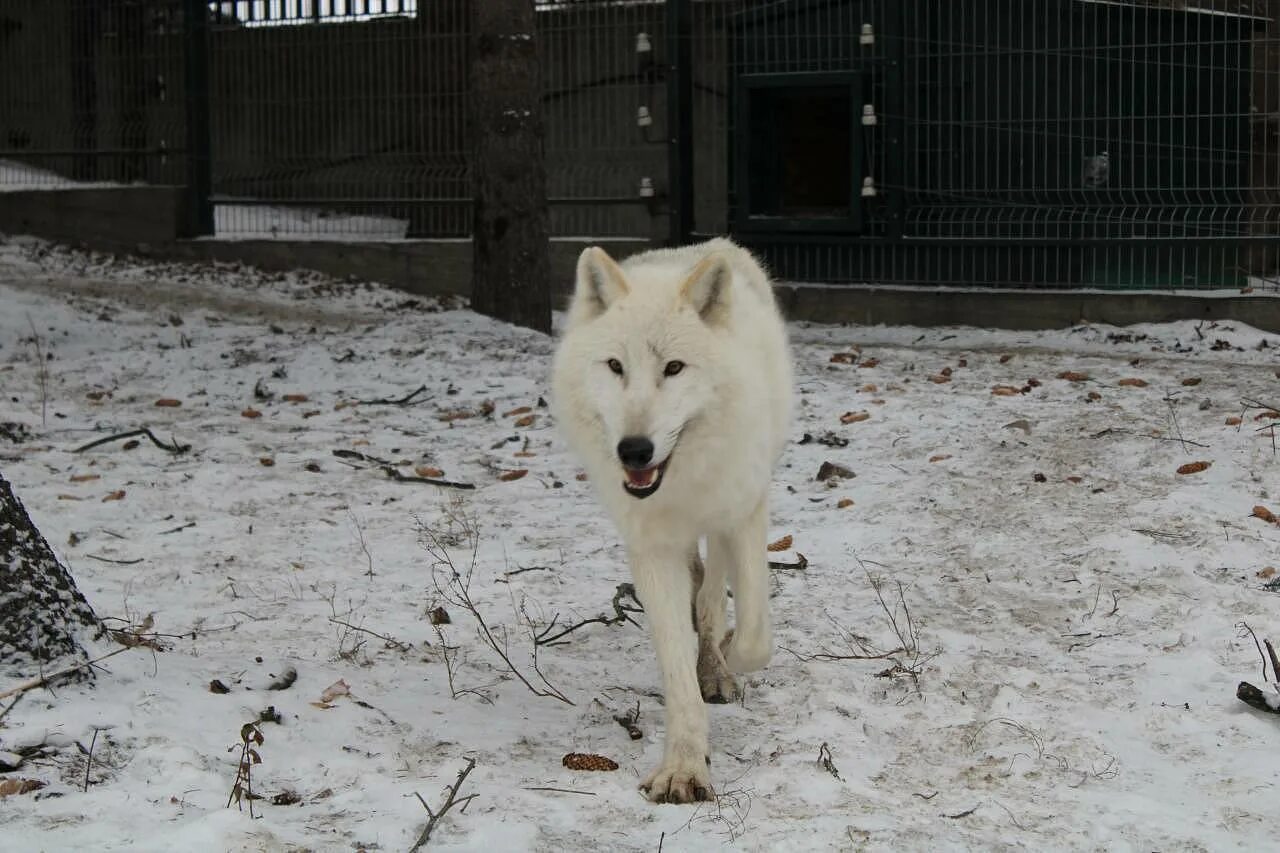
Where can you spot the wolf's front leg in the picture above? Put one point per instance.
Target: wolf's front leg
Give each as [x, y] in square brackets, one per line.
[743, 554]
[665, 588]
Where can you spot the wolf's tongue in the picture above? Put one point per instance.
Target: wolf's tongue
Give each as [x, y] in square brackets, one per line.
[641, 478]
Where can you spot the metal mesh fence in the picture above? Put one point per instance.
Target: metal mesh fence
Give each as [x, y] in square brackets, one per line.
[1105, 143]
[91, 92]
[1054, 143]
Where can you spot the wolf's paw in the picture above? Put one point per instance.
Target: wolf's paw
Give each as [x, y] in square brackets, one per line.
[718, 687]
[714, 679]
[678, 781]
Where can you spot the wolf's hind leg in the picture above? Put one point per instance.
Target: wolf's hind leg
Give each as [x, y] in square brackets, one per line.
[709, 603]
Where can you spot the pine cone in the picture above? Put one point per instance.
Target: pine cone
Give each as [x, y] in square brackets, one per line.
[587, 761]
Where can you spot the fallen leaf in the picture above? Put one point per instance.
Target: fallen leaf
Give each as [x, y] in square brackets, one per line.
[1094, 396]
[117, 495]
[871, 362]
[1004, 359]
[582, 477]
[939, 457]
[854, 417]
[844, 503]
[217, 686]
[828, 470]
[440, 616]
[84, 478]
[844, 358]
[70, 498]
[1004, 391]
[1268, 415]
[428, 472]
[294, 398]
[1267, 573]
[587, 761]
[1193, 467]
[1033, 382]
[266, 461]
[98, 395]
[520, 410]
[781, 544]
[869, 388]
[1133, 382]
[168, 403]
[1246, 290]
[524, 454]
[333, 691]
[940, 378]
[1038, 477]
[1073, 376]
[486, 408]
[251, 413]
[525, 421]
[131, 444]
[1191, 381]
[1265, 514]
[1022, 424]
[946, 371]
[311, 414]
[457, 415]
[964, 362]
[508, 476]
[10, 787]
[1074, 479]
[1233, 421]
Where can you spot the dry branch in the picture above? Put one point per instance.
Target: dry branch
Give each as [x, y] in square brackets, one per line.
[450, 801]
[621, 613]
[171, 447]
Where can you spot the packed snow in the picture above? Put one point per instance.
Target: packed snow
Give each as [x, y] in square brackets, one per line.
[1015, 626]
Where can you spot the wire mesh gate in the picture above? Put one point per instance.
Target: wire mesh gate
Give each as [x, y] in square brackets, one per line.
[1105, 143]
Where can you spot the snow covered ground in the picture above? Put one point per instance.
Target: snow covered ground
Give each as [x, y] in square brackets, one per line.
[1072, 644]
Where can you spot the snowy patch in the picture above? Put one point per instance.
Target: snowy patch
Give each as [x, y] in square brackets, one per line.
[1061, 655]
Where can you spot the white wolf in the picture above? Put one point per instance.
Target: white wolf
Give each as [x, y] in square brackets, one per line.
[672, 384]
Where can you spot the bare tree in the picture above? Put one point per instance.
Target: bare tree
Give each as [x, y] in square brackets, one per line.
[511, 266]
[43, 616]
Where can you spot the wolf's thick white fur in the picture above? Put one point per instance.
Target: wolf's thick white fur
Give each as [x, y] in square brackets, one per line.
[718, 424]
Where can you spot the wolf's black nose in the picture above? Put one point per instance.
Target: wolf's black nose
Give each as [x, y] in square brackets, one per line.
[635, 451]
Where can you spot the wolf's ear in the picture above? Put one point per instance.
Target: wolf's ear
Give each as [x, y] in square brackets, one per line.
[707, 288]
[600, 283]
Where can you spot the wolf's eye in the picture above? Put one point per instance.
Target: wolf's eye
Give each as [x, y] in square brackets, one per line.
[615, 366]
[672, 368]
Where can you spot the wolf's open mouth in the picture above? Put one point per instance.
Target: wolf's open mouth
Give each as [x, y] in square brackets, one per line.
[642, 482]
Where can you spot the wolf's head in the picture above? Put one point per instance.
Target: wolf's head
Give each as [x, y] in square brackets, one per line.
[639, 362]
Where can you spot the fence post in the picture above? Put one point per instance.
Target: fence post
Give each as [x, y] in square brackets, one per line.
[680, 120]
[199, 212]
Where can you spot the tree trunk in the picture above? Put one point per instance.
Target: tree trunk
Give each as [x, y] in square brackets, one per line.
[43, 617]
[511, 273]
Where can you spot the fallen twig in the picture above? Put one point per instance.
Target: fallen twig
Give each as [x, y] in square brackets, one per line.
[88, 764]
[630, 721]
[171, 447]
[116, 562]
[178, 529]
[390, 641]
[801, 563]
[621, 613]
[450, 802]
[1122, 431]
[431, 481]
[42, 680]
[560, 790]
[399, 401]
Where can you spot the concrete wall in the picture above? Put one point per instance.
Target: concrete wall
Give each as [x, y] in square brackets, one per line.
[144, 221]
